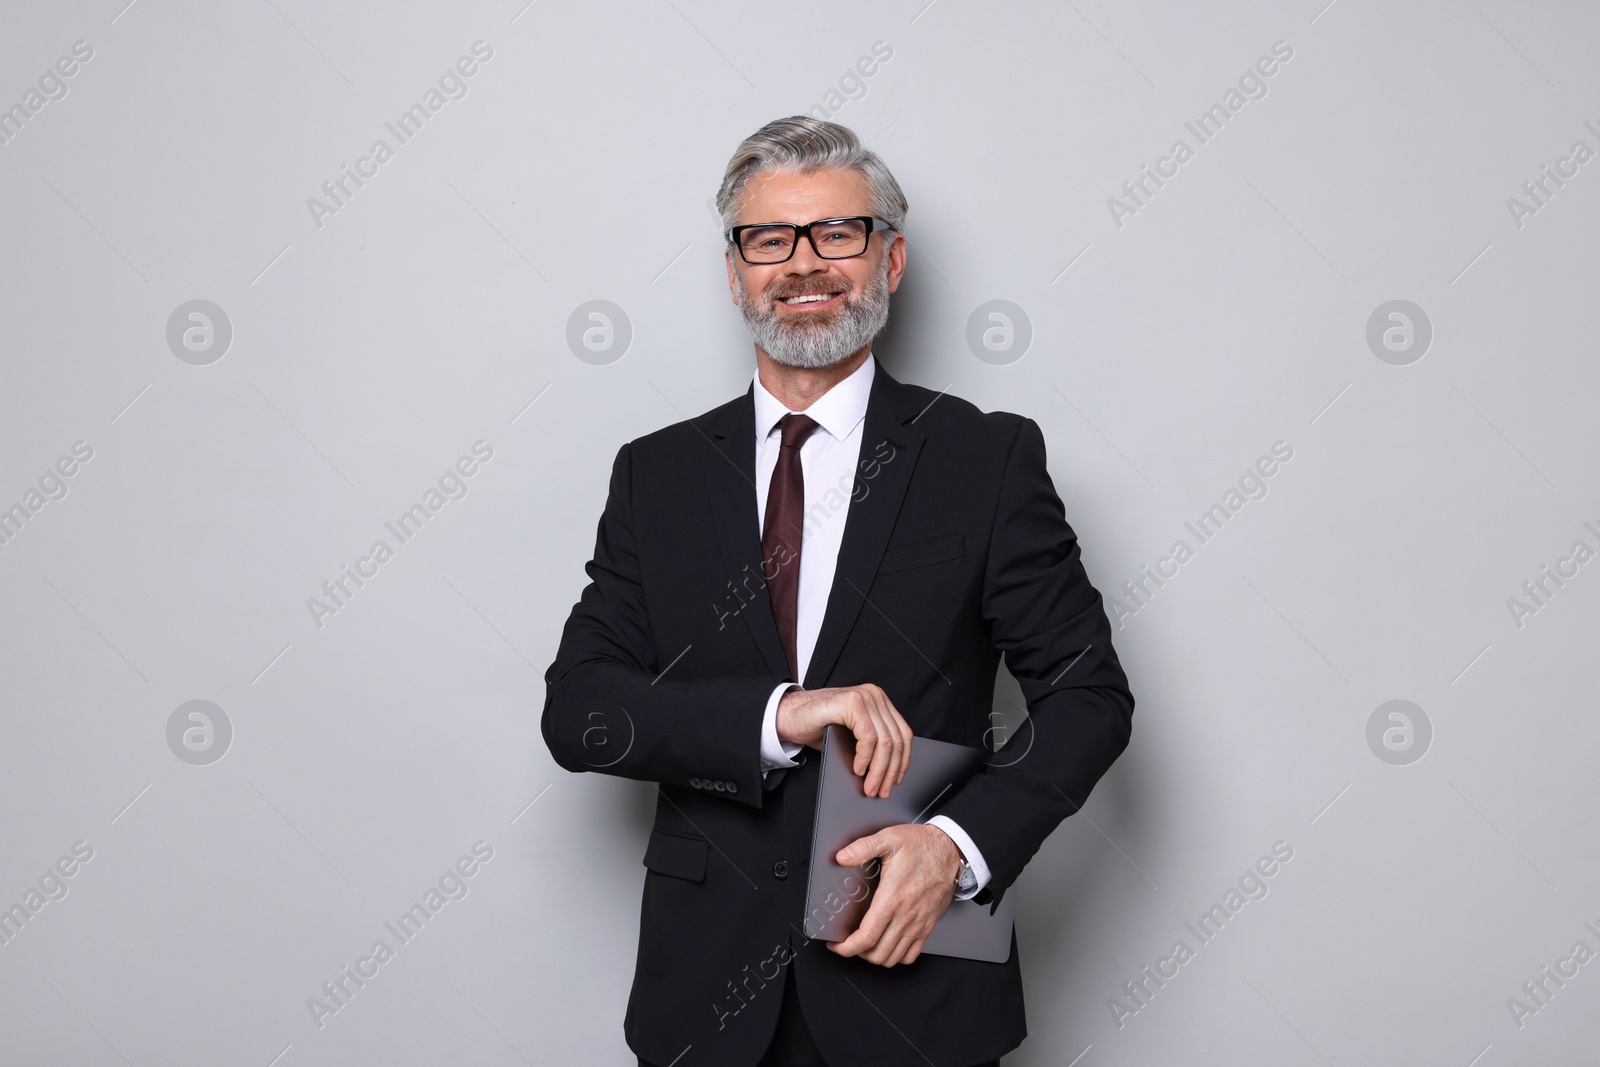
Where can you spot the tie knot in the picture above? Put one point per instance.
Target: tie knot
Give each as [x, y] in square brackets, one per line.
[796, 428]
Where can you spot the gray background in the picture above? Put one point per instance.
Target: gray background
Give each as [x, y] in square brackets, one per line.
[431, 312]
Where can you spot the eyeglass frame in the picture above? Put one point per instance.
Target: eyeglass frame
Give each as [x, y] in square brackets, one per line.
[875, 225]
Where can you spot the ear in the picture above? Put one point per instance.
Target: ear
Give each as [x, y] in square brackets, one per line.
[897, 261]
[733, 283]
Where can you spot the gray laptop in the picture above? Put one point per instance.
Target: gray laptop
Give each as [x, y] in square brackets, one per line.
[837, 896]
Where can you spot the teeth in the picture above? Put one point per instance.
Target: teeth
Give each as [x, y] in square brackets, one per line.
[813, 298]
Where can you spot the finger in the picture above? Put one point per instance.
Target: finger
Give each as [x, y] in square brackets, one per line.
[861, 850]
[899, 943]
[862, 725]
[915, 951]
[882, 914]
[904, 729]
[887, 757]
[867, 740]
[866, 936]
[911, 923]
[876, 768]
[895, 937]
[902, 951]
[884, 757]
[884, 954]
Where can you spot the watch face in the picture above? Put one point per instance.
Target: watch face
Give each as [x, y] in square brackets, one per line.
[966, 879]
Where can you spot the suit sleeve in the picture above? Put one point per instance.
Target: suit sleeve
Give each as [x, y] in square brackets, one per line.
[1051, 626]
[610, 708]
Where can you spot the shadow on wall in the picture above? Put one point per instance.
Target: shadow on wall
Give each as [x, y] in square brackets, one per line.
[913, 311]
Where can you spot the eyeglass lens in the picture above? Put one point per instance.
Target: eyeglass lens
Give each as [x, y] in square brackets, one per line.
[835, 240]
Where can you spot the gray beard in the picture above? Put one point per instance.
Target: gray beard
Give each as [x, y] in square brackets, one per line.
[862, 317]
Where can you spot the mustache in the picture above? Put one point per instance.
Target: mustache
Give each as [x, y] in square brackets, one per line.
[813, 290]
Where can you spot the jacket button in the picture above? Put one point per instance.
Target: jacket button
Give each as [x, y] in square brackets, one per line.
[719, 786]
[697, 783]
[780, 870]
[733, 787]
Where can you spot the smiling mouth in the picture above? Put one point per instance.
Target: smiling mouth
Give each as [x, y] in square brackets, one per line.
[810, 300]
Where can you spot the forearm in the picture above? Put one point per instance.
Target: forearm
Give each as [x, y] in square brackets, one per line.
[1044, 774]
[615, 719]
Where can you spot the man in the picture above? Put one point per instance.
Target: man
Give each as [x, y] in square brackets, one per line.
[832, 547]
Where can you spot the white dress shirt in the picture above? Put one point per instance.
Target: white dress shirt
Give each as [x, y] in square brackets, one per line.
[828, 461]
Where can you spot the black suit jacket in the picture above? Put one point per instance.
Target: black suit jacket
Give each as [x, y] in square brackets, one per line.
[956, 549]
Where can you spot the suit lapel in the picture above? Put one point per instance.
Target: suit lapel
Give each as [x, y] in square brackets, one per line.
[890, 445]
[729, 468]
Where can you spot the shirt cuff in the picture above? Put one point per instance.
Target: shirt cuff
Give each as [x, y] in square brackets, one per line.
[969, 850]
[776, 752]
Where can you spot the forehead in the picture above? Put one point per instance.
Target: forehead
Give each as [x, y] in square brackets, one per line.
[786, 196]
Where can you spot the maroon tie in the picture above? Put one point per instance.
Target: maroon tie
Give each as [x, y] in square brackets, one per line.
[781, 532]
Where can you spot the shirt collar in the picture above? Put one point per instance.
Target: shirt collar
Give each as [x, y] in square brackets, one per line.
[838, 411]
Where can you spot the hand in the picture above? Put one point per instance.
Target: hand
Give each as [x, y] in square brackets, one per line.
[915, 887]
[883, 740]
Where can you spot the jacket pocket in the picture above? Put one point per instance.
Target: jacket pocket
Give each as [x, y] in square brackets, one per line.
[681, 857]
[922, 553]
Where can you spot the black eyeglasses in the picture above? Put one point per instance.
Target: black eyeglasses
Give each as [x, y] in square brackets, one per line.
[775, 242]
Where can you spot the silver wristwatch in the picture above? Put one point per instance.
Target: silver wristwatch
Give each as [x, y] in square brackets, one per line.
[965, 879]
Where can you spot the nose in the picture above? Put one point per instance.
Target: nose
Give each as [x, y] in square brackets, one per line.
[805, 259]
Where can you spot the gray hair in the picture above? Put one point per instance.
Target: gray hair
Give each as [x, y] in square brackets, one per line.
[802, 144]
